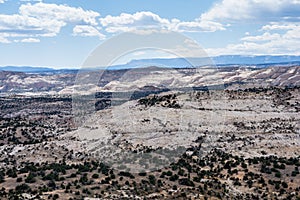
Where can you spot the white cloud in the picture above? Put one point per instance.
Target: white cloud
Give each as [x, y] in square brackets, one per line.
[198, 26]
[30, 40]
[2, 1]
[47, 20]
[85, 30]
[279, 26]
[148, 20]
[265, 37]
[286, 42]
[292, 30]
[130, 22]
[4, 40]
[43, 20]
[281, 34]
[227, 9]
[59, 12]
[25, 25]
[262, 10]
[217, 18]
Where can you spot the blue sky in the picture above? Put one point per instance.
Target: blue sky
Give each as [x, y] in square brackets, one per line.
[62, 33]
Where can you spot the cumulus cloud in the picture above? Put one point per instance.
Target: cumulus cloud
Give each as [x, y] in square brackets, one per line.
[231, 11]
[130, 22]
[265, 37]
[19, 25]
[198, 26]
[148, 20]
[59, 13]
[286, 41]
[279, 26]
[43, 20]
[293, 33]
[261, 10]
[2, 1]
[46, 20]
[85, 30]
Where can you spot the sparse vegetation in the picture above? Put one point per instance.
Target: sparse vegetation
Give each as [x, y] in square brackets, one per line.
[34, 162]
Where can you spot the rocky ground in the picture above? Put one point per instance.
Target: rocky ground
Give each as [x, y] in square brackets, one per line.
[234, 141]
[219, 144]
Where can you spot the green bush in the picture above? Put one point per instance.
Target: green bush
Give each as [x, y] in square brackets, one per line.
[186, 181]
[152, 179]
[174, 177]
[30, 178]
[95, 176]
[22, 188]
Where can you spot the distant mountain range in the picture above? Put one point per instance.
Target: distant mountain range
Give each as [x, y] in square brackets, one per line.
[38, 70]
[228, 60]
[25, 69]
[255, 60]
[221, 61]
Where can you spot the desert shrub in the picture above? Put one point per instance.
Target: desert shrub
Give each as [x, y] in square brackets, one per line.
[186, 181]
[19, 179]
[22, 188]
[142, 174]
[30, 178]
[126, 174]
[95, 176]
[174, 177]
[152, 179]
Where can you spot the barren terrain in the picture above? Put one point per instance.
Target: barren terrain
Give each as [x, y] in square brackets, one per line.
[233, 140]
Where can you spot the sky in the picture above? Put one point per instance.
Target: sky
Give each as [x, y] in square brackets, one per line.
[62, 33]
